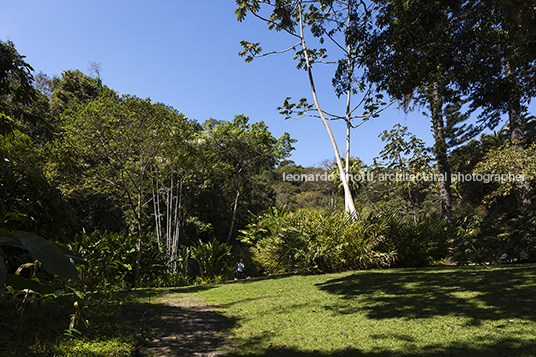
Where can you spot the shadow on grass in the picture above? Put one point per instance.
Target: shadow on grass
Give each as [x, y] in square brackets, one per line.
[264, 277]
[503, 347]
[179, 326]
[158, 292]
[478, 293]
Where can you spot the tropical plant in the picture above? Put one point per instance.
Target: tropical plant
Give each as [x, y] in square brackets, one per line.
[419, 242]
[110, 259]
[53, 258]
[491, 241]
[16, 90]
[213, 258]
[316, 241]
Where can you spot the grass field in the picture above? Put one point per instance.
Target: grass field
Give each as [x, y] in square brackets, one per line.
[440, 311]
[443, 311]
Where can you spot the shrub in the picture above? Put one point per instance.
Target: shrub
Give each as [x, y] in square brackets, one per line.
[110, 257]
[172, 280]
[499, 240]
[213, 258]
[417, 243]
[318, 242]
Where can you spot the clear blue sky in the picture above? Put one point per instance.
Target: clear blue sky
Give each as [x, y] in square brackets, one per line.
[185, 54]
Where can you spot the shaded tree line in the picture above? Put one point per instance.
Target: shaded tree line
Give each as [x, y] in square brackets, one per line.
[78, 156]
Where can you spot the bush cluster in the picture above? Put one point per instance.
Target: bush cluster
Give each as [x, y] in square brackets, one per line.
[324, 242]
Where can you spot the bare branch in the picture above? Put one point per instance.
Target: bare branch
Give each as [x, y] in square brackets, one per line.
[275, 52]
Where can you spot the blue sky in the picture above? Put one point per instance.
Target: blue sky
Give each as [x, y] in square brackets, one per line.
[185, 54]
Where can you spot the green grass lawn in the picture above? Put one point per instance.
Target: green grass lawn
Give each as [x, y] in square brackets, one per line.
[443, 311]
[440, 311]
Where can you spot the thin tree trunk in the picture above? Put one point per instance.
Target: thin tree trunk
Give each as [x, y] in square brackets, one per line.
[347, 193]
[347, 206]
[522, 189]
[156, 220]
[169, 206]
[176, 230]
[138, 255]
[156, 209]
[441, 156]
[233, 217]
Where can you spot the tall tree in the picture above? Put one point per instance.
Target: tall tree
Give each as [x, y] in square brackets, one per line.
[117, 140]
[28, 201]
[16, 90]
[243, 150]
[326, 19]
[410, 53]
[74, 88]
[500, 66]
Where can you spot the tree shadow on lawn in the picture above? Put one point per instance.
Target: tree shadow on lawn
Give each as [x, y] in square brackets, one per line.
[156, 292]
[498, 293]
[478, 293]
[255, 279]
[178, 325]
[504, 347]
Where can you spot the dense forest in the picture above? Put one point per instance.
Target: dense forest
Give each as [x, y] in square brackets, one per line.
[102, 191]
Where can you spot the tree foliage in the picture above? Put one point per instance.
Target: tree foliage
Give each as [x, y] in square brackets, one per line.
[119, 140]
[240, 151]
[16, 90]
[169, 189]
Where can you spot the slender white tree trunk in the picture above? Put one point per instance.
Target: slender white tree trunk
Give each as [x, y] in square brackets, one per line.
[176, 233]
[235, 207]
[157, 225]
[169, 207]
[347, 193]
[347, 206]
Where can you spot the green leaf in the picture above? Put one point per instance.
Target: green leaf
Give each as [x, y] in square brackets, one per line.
[53, 259]
[23, 283]
[81, 295]
[69, 254]
[8, 238]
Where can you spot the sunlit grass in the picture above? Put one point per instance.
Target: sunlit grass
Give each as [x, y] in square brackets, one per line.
[82, 347]
[441, 311]
[437, 311]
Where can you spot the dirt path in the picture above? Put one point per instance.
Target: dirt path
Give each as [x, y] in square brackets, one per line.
[187, 326]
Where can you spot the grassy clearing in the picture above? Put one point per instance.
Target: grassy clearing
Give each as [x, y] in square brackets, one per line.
[443, 311]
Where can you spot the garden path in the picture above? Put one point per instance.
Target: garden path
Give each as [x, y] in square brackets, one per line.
[187, 326]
